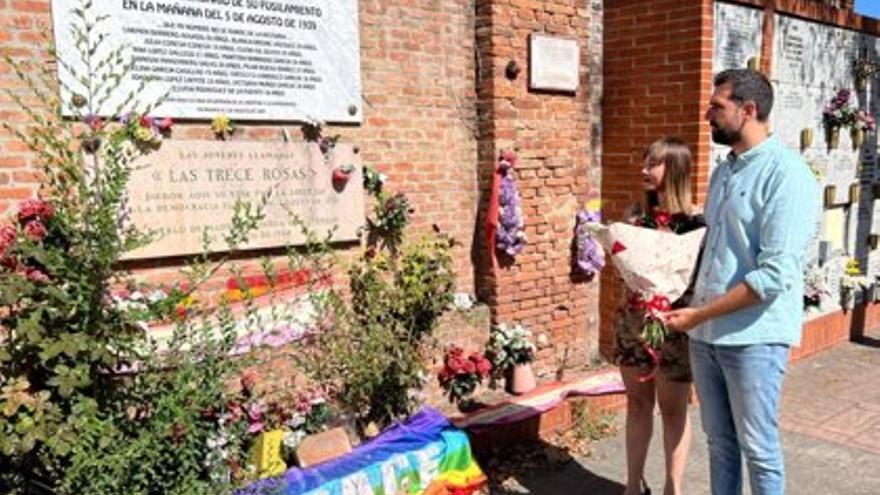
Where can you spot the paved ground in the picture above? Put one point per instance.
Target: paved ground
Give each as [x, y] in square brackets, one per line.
[831, 435]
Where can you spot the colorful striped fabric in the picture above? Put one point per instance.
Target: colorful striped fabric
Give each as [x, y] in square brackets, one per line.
[542, 399]
[423, 455]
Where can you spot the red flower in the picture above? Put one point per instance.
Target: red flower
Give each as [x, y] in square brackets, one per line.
[455, 364]
[35, 230]
[484, 367]
[8, 233]
[35, 208]
[470, 366]
[659, 303]
[617, 247]
[662, 218]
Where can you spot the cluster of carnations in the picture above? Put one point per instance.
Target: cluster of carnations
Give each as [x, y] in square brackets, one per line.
[461, 374]
[511, 237]
[34, 216]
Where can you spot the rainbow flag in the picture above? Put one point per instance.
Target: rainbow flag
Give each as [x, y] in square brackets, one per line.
[424, 455]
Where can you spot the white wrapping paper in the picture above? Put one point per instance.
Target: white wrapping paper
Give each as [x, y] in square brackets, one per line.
[651, 261]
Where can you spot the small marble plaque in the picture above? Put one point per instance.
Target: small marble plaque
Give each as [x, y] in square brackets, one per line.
[554, 63]
[189, 187]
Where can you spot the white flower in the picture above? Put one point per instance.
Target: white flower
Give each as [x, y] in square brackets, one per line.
[157, 295]
[462, 301]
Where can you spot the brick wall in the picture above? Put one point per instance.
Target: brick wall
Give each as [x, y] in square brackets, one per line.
[658, 62]
[551, 133]
[437, 110]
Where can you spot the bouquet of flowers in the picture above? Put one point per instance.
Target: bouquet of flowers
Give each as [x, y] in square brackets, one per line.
[839, 113]
[460, 375]
[656, 264]
[509, 346]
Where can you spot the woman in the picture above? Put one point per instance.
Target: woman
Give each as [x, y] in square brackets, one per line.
[666, 172]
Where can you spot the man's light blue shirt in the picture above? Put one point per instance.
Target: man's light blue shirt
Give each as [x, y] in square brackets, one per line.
[761, 212]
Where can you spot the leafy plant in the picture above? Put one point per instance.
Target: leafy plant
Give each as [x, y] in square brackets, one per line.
[90, 403]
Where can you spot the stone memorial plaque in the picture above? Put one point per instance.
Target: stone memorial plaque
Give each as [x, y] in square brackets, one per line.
[250, 59]
[188, 187]
[553, 63]
[813, 54]
[737, 36]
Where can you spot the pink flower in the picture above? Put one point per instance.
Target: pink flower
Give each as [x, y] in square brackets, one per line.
[36, 275]
[35, 230]
[255, 418]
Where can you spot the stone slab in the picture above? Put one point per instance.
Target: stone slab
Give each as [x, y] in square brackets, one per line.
[188, 187]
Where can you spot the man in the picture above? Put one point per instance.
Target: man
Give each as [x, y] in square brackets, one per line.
[761, 211]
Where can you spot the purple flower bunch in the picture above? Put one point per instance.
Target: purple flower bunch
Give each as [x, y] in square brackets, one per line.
[589, 257]
[511, 236]
[839, 112]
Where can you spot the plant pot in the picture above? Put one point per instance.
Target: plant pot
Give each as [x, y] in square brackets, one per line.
[832, 137]
[858, 137]
[521, 379]
[266, 454]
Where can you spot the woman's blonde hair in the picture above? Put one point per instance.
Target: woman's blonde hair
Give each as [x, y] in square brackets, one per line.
[676, 186]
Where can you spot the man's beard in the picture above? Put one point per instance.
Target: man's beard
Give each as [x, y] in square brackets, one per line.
[727, 137]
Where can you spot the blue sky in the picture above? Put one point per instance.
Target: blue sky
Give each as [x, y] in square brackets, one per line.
[868, 7]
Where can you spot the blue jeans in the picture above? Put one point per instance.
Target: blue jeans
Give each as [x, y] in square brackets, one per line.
[739, 389]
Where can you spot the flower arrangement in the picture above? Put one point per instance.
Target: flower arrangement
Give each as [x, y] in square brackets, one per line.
[222, 126]
[852, 276]
[511, 237]
[851, 281]
[460, 374]
[864, 70]
[509, 346]
[144, 131]
[839, 113]
[815, 289]
[589, 257]
[865, 121]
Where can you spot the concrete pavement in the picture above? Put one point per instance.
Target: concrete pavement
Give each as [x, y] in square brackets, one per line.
[830, 431]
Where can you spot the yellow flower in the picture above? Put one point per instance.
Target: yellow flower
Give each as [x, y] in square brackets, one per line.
[852, 267]
[222, 125]
[144, 134]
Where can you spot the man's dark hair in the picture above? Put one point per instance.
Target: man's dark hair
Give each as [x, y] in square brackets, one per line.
[748, 85]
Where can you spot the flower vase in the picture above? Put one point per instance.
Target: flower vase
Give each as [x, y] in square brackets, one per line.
[832, 137]
[858, 137]
[266, 454]
[521, 379]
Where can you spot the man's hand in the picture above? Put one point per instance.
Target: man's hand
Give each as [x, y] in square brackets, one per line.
[684, 319]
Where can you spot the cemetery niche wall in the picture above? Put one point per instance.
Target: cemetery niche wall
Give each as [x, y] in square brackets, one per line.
[825, 85]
